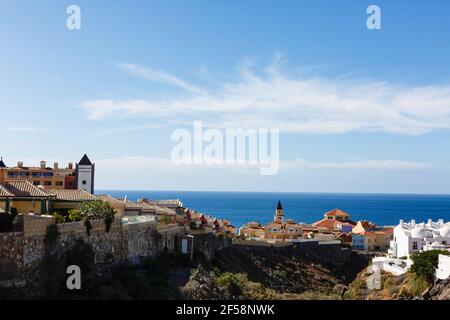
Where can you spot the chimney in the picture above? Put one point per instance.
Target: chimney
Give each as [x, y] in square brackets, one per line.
[430, 222]
[70, 165]
[55, 165]
[413, 223]
[43, 164]
[401, 223]
[20, 164]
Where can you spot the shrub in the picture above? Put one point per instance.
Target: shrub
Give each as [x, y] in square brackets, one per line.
[58, 218]
[92, 210]
[165, 220]
[234, 283]
[418, 285]
[425, 263]
[75, 215]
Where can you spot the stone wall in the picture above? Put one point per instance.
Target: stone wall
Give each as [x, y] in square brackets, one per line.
[207, 242]
[343, 261]
[29, 259]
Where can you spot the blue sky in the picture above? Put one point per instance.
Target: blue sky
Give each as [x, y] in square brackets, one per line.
[359, 110]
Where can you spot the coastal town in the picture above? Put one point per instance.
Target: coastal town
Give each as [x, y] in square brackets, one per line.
[34, 198]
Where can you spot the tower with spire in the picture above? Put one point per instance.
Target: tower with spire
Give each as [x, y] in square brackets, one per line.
[279, 216]
[2, 164]
[84, 173]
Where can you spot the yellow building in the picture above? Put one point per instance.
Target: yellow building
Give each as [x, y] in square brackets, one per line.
[367, 237]
[80, 176]
[280, 229]
[337, 214]
[23, 197]
[252, 230]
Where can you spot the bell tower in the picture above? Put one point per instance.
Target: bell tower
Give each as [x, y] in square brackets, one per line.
[84, 172]
[279, 216]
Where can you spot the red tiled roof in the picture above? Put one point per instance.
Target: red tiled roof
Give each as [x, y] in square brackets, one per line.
[71, 195]
[22, 188]
[332, 224]
[336, 212]
[5, 193]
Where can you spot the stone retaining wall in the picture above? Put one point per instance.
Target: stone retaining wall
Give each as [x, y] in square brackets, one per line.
[23, 255]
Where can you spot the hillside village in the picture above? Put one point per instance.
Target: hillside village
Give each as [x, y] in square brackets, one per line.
[42, 203]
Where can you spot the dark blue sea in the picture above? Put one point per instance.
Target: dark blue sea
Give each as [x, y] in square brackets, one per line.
[242, 207]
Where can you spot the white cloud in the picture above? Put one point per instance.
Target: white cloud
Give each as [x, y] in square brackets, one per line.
[158, 76]
[26, 129]
[154, 173]
[277, 100]
[366, 164]
[129, 129]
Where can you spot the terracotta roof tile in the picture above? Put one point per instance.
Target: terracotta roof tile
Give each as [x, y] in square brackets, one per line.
[336, 212]
[22, 188]
[71, 195]
[5, 193]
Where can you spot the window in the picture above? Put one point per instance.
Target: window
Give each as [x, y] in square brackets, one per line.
[444, 243]
[84, 182]
[36, 174]
[47, 183]
[59, 183]
[36, 183]
[414, 245]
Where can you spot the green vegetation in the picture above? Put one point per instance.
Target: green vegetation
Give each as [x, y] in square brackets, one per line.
[93, 210]
[151, 279]
[425, 263]
[58, 218]
[234, 283]
[165, 220]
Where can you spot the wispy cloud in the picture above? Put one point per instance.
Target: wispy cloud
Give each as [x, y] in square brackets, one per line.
[25, 129]
[158, 76]
[129, 129]
[366, 164]
[297, 104]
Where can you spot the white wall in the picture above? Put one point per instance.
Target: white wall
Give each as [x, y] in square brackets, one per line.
[85, 174]
[443, 269]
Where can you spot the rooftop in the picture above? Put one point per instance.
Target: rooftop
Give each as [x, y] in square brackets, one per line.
[71, 195]
[336, 212]
[22, 188]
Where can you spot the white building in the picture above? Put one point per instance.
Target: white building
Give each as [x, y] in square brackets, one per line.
[411, 237]
[85, 172]
[443, 269]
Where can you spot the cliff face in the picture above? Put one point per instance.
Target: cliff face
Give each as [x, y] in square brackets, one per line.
[439, 291]
[404, 287]
[245, 272]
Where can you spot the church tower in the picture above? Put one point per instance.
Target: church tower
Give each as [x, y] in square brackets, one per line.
[84, 173]
[279, 216]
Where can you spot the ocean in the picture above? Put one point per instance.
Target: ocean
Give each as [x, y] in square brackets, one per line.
[242, 207]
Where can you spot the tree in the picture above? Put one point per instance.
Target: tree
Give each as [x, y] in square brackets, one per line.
[93, 210]
[425, 263]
